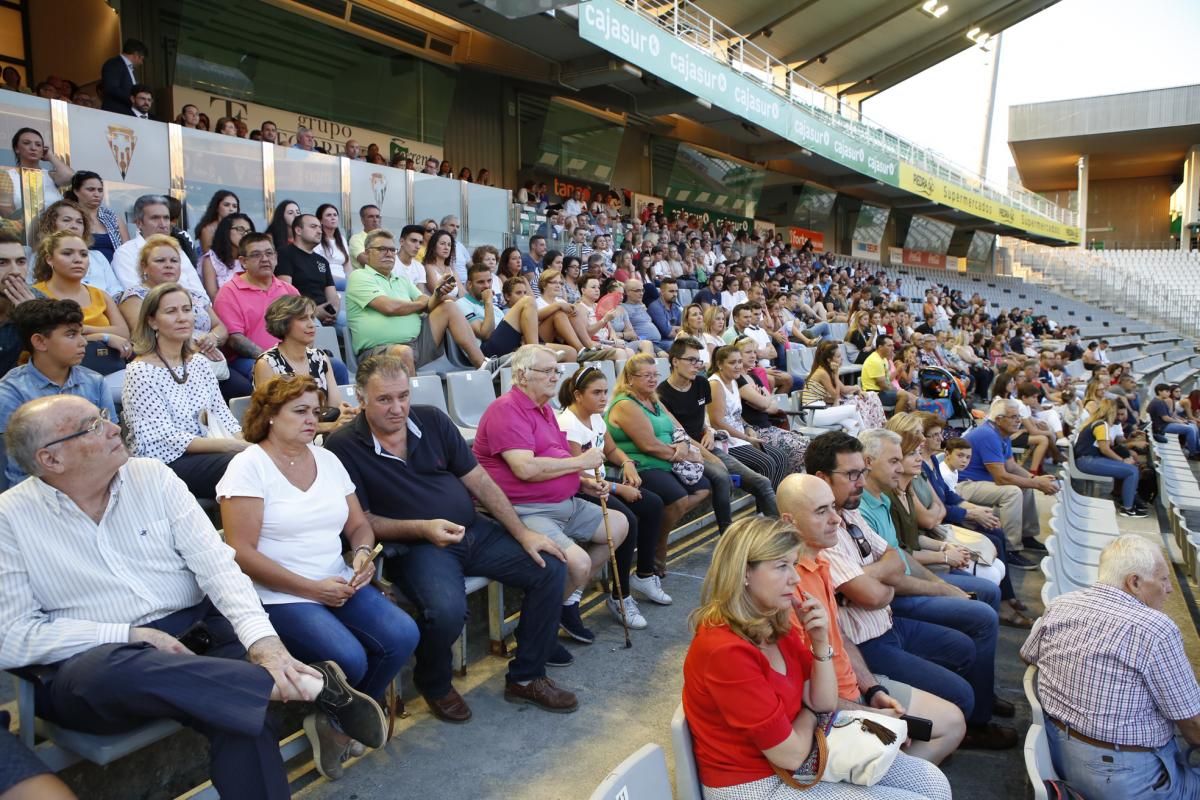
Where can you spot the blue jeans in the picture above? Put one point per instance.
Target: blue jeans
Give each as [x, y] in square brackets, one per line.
[432, 578]
[1188, 432]
[1127, 474]
[976, 619]
[1102, 773]
[926, 656]
[821, 329]
[368, 637]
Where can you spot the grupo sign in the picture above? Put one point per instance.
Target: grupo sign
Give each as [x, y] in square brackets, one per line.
[330, 135]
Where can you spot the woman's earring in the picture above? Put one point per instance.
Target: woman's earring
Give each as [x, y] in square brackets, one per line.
[270, 422]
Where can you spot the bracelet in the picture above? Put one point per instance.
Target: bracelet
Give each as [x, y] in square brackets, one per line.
[828, 654]
[871, 692]
[364, 547]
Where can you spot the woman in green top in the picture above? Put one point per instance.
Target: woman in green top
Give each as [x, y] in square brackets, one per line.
[642, 428]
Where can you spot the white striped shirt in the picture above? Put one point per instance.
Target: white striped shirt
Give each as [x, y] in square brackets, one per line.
[68, 584]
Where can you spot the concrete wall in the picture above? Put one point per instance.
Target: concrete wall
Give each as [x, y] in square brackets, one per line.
[90, 26]
[1129, 211]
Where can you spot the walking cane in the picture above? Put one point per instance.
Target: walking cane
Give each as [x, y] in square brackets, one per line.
[612, 558]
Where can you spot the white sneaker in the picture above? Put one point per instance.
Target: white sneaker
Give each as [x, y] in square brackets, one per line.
[633, 615]
[651, 587]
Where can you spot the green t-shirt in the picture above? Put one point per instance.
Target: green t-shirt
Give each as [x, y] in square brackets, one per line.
[370, 328]
[661, 424]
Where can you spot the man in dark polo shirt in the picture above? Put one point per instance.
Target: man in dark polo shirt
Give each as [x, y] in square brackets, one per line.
[415, 477]
[686, 394]
[307, 270]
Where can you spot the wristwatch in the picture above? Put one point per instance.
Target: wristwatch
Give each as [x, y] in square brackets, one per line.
[828, 653]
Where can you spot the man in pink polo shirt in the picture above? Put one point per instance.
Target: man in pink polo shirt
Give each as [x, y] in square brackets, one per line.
[242, 303]
[522, 448]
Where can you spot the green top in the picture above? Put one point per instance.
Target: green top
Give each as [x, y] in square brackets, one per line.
[660, 422]
[370, 328]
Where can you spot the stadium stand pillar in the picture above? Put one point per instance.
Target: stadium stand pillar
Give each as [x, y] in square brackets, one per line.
[1083, 201]
[1191, 199]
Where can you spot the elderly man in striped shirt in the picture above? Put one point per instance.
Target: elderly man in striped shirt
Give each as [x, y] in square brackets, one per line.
[110, 574]
[1114, 681]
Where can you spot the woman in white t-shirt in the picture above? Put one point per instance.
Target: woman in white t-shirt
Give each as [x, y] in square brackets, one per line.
[283, 517]
[583, 397]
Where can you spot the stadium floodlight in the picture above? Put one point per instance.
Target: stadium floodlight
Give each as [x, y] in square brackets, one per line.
[934, 9]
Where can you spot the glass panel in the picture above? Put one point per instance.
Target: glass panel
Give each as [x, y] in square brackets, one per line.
[572, 142]
[212, 162]
[309, 179]
[434, 197]
[814, 206]
[382, 186]
[929, 235]
[18, 111]
[488, 215]
[872, 220]
[130, 154]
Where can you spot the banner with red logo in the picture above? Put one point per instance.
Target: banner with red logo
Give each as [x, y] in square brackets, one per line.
[919, 258]
[802, 235]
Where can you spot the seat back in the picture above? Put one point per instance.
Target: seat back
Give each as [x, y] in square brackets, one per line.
[642, 775]
[1038, 764]
[1035, 705]
[427, 391]
[687, 778]
[239, 406]
[468, 395]
[664, 368]
[327, 340]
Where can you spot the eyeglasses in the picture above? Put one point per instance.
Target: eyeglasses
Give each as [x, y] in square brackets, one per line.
[95, 426]
[864, 547]
[387, 251]
[242, 229]
[258, 255]
[852, 475]
[641, 376]
[693, 360]
[544, 370]
[431, 230]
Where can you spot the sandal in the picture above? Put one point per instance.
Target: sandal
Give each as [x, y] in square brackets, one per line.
[1016, 620]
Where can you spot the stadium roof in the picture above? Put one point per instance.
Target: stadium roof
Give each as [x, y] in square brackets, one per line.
[1131, 135]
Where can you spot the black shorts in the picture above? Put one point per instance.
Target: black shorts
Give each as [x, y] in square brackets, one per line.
[505, 339]
[1021, 440]
[666, 485]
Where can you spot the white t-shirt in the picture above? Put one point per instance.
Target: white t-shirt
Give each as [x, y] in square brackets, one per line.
[950, 476]
[415, 272]
[581, 434]
[300, 530]
[337, 261]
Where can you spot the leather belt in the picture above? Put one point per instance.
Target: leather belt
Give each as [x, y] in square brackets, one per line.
[1074, 734]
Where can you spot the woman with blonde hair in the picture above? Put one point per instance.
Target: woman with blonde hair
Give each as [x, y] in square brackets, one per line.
[68, 215]
[716, 319]
[1095, 454]
[642, 428]
[760, 670]
[172, 404]
[861, 334]
[692, 325]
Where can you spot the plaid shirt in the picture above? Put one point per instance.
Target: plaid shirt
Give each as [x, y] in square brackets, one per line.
[1112, 668]
[846, 563]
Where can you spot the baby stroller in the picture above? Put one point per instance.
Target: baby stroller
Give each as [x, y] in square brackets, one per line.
[942, 393]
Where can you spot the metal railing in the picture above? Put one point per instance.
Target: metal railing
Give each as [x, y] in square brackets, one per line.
[697, 28]
[1095, 278]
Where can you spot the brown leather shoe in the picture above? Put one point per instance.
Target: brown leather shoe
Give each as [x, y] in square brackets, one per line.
[543, 693]
[989, 737]
[451, 708]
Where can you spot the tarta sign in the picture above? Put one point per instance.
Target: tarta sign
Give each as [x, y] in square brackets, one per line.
[802, 235]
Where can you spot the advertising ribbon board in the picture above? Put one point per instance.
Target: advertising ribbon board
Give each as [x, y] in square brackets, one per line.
[706, 216]
[800, 235]
[922, 183]
[919, 258]
[868, 250]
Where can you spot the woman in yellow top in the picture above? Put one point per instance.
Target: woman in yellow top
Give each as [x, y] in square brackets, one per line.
[61, 266]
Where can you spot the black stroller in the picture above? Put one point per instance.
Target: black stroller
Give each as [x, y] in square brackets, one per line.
[942, 393]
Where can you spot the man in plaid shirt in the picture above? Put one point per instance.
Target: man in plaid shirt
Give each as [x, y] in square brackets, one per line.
[1114, 681]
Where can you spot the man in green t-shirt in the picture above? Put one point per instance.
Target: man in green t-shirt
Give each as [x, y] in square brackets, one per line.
[386, 313]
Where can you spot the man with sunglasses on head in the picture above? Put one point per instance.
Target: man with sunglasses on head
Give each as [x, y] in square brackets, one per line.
[864, 571]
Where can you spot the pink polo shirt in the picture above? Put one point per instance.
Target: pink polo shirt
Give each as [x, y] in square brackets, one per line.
[513, 422]
[243, 308]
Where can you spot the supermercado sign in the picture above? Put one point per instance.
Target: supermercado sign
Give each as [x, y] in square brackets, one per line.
[938, 190]
[610, 25]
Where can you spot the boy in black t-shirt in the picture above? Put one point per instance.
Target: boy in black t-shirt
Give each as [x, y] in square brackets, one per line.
[686, 394]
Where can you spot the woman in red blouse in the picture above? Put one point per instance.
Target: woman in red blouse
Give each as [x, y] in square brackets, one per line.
[759, 670]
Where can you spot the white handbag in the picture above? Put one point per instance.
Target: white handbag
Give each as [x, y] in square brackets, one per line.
[856, 751]
[977, 543]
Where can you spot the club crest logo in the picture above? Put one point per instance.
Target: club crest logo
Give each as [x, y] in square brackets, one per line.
[378, 187]
[122, 141]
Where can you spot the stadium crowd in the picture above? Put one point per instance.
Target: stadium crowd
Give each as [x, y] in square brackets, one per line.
[123, 337]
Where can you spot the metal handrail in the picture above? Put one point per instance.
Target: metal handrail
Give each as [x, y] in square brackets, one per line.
[700, 30]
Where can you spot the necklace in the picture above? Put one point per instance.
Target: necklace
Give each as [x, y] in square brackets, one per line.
[183, 376]
[280, 457]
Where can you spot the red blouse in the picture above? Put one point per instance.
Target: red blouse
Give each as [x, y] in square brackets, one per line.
[737, 705]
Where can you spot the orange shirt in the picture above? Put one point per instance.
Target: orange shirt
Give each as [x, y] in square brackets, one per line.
[815, 579]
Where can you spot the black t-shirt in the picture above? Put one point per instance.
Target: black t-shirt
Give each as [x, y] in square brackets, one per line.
[750, 414]
[425, 486]
[309, 272]
[689, 407]
[1158, 409]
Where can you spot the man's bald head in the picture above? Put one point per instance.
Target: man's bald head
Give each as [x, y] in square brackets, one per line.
[42, 420]
[808, 502]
